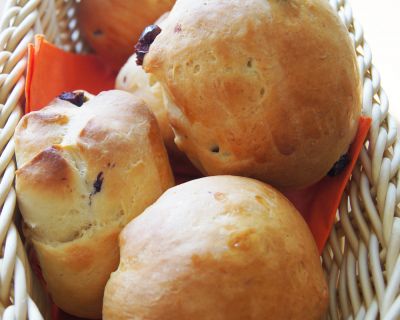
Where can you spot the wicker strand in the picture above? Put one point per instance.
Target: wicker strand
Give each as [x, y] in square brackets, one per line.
[370, 227]
[21, 21]
[70, 36]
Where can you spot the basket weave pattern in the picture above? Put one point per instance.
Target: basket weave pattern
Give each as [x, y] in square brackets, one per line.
[361, 259]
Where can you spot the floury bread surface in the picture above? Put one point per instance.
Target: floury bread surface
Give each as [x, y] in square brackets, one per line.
[217, 248]
[261, 88]
[83, 174]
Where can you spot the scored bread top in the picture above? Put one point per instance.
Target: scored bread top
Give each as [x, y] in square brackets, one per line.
[80, 168]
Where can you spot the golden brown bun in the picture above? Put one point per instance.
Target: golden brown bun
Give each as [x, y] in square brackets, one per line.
[217, 248]
[270, 90]
[112, 27]
[83, 174]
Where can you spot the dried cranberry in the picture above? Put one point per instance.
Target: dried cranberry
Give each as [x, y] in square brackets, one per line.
[147, 37]
[96, 186]
[339, 166]
[76, 98]
[98, 183]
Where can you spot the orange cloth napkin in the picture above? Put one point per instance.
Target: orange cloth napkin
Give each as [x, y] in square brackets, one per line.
[318, 203]
[52, 71]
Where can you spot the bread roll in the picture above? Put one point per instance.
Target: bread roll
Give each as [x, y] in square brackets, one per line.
[83, 174]
[269, 89]
[132, 78]
[217, 248]
[112, 27]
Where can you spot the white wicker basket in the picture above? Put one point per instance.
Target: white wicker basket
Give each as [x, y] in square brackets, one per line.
[361, 259]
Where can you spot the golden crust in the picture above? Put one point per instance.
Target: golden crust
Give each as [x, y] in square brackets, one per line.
[270, 90]
[82, 270]
[217, 248]
[48, 125]
[46, 170]
[113, 27]
[83, 174]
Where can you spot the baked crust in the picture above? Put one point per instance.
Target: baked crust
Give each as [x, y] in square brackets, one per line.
[112, 27]
[217, 248]
[84, 173]
[270, 90]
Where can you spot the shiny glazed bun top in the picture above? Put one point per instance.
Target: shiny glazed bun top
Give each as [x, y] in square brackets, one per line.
[266, 89]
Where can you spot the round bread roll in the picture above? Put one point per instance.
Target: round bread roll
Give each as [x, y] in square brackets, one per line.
[112, 27]
[83, 174]
[270, 90]
[221, 248]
